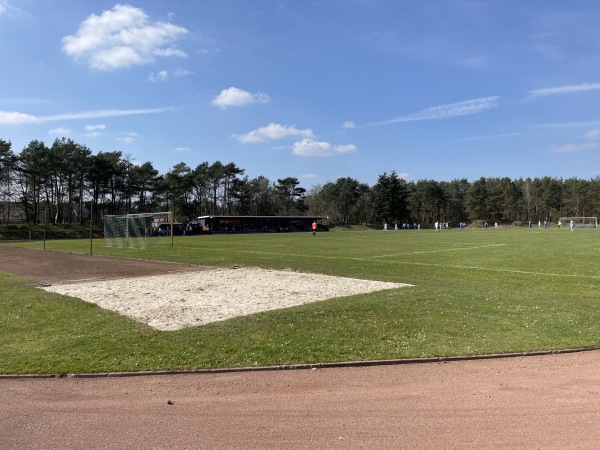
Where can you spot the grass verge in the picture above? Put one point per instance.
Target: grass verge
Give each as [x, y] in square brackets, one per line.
[476, 292]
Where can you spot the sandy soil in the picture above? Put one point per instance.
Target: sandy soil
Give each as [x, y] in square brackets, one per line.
[174, 301]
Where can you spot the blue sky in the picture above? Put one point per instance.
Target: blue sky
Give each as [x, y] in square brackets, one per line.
[317, 90]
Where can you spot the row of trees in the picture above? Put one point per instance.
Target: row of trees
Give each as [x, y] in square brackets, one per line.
[58, 184]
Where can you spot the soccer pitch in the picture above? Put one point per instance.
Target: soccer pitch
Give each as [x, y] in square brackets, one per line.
[475, 292]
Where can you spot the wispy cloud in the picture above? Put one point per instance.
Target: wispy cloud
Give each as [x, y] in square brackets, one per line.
[273, 131]
[179, 72]
[490, 137]
[237, 97]
[562, 90]
[593, 123]
[349, 125]
[466, 107]
[128, 138]
[593, 135]
[163, 75]
[122, 37]
[572, 148]
[100, 126]
[60, 131]
[94, 130]
[158, 76]
[8, 9]
[17, 118]
[308, 147]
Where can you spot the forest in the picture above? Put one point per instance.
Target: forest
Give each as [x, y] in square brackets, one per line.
[63, 182]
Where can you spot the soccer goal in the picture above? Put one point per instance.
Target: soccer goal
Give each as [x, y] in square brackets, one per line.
[135, 230]
[579, 222]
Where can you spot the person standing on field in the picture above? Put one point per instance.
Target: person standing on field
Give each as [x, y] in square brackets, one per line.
[314, 228]
[571, 224]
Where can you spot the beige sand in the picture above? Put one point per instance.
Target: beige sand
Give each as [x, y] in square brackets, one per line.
[174, 301]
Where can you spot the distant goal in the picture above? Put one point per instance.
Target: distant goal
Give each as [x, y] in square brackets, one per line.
[579, 222]
[136, 230]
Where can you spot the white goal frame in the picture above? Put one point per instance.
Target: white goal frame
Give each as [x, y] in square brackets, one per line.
[133, 230]
[579, 222]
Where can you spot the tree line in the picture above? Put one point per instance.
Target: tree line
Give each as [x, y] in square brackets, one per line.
[63, 182]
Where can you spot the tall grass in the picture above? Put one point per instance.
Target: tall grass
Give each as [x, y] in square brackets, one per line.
[475, 292]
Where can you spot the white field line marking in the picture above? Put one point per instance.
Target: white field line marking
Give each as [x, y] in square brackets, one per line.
[436, 251]
[445, 266]
[378, 256]
[489, 269]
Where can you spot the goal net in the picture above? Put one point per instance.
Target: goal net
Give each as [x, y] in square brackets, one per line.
[136, 230]
[579, 222]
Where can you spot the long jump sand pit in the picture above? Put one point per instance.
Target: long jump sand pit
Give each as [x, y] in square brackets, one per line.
[178, 300]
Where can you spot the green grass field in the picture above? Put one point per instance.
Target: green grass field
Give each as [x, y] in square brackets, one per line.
[476, 292]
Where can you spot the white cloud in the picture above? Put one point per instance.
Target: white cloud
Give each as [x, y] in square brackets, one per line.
[16, 118]
[100, 114]
[271, 132]
[309, 147]
[466, 107]
[94, 130]
[162, 75]
[159, 76]
[490, 137]
[560, 90]
[60, 131]
[348, 125]
[309, 176]
[572, 148]
[122, 37]
[237, 97]
[182, 149]
[100, 126]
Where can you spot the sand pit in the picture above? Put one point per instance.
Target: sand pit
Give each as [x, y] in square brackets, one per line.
[175, 301]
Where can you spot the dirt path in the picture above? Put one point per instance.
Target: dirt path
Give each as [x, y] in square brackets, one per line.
[52, 267]
[549, 402]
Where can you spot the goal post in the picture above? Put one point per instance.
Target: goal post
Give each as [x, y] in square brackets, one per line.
[135, 230]
[579, 222]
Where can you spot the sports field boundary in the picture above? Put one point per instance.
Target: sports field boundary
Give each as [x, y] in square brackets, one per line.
[307, 366]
